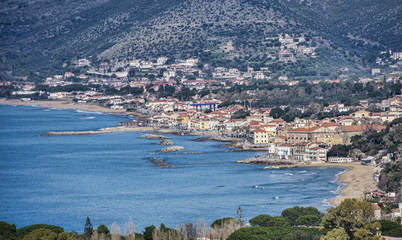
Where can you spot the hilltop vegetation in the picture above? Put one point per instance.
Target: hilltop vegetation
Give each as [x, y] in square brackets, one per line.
[352, 219]
[36, 36]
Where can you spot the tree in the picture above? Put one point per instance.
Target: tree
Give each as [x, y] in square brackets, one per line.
[7, 231]
[260, 220]
[201, 228]
[240, 216]
[102, 229]
[276, 113]
[89, 229]
[28, 229]
[130, 230]
[292, 214]
[41, 234]
[116, 232]
[350, 214]
[164, 233]
[390, 228]
[240, 114]
[278, 221]
[62, 236]
[222, 228]
[308, 220]
[148, 232]
[370, 231]
[336, 234]
[263, 233]
[300, 235]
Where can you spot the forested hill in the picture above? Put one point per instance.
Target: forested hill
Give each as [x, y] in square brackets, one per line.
[38, 34]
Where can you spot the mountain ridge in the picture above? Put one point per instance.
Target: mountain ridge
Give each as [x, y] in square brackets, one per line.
[45, 34]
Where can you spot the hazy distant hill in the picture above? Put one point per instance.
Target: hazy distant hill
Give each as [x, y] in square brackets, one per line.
[44, 33]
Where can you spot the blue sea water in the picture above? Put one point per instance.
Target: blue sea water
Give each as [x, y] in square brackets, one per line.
[61, 180]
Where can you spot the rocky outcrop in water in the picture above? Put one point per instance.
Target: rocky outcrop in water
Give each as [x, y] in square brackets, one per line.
[267, 161]
[159, 163]
[153, 136]
[173, 149]
[166, 142]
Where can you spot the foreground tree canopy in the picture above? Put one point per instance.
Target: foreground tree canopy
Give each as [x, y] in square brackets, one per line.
[350, 214]
[352, 219]
[264, 233]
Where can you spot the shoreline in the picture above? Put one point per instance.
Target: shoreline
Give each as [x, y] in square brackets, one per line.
[357, 178]
[64, 105]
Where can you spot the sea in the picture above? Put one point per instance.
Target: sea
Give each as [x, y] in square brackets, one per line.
[62, 180]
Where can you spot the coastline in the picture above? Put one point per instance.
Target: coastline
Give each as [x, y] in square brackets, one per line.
[357, 178]
[64, 105]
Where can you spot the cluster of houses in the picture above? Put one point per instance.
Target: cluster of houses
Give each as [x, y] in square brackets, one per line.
[300, 140]
[385, 198]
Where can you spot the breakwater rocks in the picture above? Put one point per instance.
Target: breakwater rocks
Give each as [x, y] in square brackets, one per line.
[275, 163]
[265, 161]
[153, 136]
[166, 142]
[100, 131]
[173, 149]
[159, 163]
[73, 133]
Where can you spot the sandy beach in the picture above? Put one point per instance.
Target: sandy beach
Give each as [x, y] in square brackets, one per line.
[358, 177]
[64, 105]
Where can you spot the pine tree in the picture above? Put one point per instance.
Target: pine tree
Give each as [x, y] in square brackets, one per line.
[89, 229]
[239, 216]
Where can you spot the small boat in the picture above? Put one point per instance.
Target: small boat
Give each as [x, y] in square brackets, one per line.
[276, 197]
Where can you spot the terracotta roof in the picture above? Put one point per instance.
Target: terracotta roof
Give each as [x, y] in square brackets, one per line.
[254, 123]
[299, 130]
[354, 128]
[278, 121]
[330, 124]
[258, 130]
[313, 129]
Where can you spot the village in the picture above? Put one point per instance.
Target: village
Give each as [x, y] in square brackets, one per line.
[145, 89]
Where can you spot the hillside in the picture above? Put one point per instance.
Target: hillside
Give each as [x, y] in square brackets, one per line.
[41, 35]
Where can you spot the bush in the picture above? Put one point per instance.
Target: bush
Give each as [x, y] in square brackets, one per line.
[8, 231]
[308, 220]
[263, 233]
[390, 228]
[260, 220]
[28, 229]
[42, 233]
[294, 213]
[218, 223]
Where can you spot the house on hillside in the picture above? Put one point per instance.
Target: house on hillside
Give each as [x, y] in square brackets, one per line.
[260, 136]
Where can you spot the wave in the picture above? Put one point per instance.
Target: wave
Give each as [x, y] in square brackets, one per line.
[83, 111]
[288, 174]
[326, 203]
[337, 176]
[338, 189]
